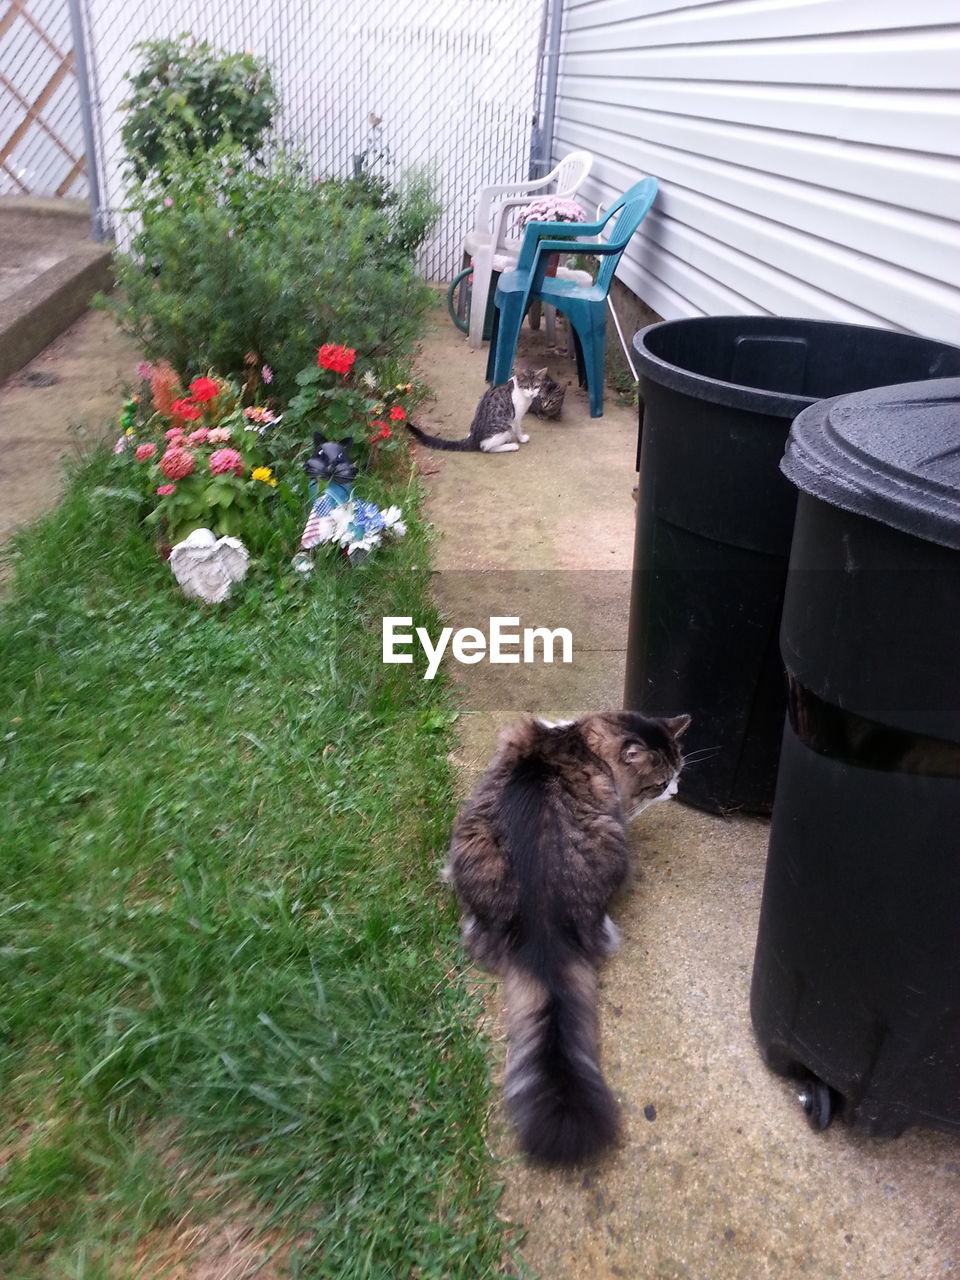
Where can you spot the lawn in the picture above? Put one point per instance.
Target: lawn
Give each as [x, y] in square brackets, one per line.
[231, 980]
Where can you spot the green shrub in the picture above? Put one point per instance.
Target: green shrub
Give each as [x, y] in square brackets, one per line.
[235, 265]
[188, 97]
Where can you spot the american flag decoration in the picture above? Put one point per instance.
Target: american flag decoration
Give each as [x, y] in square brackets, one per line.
[316, 529]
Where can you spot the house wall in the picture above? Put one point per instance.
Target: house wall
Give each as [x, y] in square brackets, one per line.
[808, 152]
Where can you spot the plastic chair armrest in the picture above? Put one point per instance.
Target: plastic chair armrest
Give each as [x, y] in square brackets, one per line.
[538, 233]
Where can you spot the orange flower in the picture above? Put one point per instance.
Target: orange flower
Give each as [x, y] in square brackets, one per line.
[164, 386]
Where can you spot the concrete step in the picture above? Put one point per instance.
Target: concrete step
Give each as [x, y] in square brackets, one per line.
[50, 268]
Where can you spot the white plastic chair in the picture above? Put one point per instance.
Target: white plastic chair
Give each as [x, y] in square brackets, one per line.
[489, 243]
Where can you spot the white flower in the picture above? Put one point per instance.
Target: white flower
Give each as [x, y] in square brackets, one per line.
[369, 379]
[393, 522]
[367, 543]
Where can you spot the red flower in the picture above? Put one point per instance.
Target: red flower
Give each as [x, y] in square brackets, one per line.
[223, 461]
[177, 463]
[339, 359]
[185, 409]
[203, 389]
[382, 434]
[397, 414]
[145, 451]
[165, 489]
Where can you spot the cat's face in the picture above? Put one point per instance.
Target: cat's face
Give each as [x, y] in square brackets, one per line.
[331, 461]
[642, 753]
[530, 380]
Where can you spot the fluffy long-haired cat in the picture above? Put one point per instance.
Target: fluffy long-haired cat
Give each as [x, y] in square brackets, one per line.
[496, 424]
[537, 851]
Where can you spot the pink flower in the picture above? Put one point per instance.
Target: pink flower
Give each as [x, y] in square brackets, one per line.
[177, 463]
[266, 373]
[168, 202]
[145, 451]
[199, 436]
[120, 445]
[173, 433]
[223, 461]
[144, 370]
[164, 489]
[218, 435]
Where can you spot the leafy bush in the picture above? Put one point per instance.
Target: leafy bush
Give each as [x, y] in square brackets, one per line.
[234, 266]
[188, 97]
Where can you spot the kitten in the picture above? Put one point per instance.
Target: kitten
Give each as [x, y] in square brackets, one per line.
[548, 402]
[496, 423]
[536, 853]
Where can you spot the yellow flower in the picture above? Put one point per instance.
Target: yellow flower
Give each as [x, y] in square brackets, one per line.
[264, 474]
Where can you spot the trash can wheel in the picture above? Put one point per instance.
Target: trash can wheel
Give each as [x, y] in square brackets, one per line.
[818, 1102]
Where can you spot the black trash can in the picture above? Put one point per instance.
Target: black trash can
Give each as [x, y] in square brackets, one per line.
[856, 980]
[714, 522]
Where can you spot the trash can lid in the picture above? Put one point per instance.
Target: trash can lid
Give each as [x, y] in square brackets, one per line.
[892, 454]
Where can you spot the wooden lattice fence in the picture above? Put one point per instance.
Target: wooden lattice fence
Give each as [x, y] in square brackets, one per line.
[41, 137]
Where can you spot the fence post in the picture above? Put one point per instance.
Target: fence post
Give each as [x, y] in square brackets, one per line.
[97, 228]
[552, 56]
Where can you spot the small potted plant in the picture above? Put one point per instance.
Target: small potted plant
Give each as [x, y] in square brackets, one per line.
[551, 209]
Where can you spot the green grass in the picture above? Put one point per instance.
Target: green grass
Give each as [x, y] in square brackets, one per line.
[229, 978]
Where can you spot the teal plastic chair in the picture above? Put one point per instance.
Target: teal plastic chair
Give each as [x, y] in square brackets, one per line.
[583, 305]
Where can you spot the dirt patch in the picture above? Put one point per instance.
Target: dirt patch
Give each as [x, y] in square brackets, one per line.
[67, 396]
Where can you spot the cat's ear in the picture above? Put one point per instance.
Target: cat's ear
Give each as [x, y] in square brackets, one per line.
[540, 373]
[346, 442]
[318, 440]
[637, 755]
[677, 725]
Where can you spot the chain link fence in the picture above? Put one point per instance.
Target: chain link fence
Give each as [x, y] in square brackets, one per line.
[453, 86]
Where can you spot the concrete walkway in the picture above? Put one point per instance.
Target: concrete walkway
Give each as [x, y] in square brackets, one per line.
[719, 1177]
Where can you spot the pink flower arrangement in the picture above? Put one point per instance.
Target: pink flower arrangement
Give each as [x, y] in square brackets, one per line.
[223, 461]
[551, 209]
[145, 451]
[177, 463]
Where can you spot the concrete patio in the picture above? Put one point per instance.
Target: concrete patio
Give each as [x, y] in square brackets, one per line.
[719, 1176]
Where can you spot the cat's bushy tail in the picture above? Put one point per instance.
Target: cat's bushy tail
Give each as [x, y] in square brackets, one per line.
[438, 442]
[555, 1092]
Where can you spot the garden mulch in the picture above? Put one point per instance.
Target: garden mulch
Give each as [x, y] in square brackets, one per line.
[719, 1176]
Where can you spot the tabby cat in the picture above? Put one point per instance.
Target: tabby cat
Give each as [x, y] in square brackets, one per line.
[548, 402]
[496, 423]
[536, 853]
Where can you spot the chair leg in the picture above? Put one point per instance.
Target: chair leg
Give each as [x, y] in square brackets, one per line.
[590, 335]
[508, 319]
[479, 293]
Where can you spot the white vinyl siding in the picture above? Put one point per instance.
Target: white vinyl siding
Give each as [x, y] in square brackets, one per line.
[808, 152]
